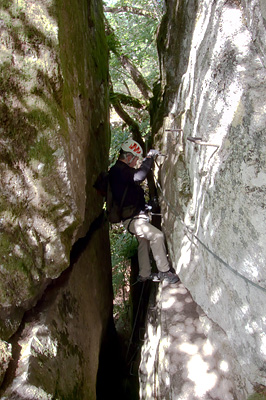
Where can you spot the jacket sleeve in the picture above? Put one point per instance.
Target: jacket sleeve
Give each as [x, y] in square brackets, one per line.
[141, 173]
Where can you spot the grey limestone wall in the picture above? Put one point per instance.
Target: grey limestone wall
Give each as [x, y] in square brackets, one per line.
[214, 191]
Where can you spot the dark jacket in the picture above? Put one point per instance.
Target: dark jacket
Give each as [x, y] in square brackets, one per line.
[122, 176]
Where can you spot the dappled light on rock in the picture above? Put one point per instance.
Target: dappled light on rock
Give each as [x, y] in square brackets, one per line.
[186, 364]
[63, 334]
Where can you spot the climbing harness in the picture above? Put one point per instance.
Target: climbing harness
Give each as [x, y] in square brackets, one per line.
[139, 216]
[189, 231]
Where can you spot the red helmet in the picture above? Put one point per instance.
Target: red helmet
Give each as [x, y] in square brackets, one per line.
[133, 147]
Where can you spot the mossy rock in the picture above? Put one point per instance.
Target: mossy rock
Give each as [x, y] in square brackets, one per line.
[260, 393]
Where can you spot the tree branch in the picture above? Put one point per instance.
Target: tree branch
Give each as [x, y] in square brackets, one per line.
[127, 100]
[136, 76]
[132, 10]
[132, 124]
[128, 65]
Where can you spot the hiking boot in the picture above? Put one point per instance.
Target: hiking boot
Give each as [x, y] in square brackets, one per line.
[155, 277]
[169, 276]
[152, 277]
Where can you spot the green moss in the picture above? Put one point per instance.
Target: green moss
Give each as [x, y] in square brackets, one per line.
[42, 152]
[5, 244]
[100, 48]
[10, 80]
[23, 116]
[67, 99]
[15, 258]
[20, 127]
[5, 4]
[37, 107]
[83, 24]
[34, 36]
[11, 208]
[39, 118]
[77, 393]
[259, 393]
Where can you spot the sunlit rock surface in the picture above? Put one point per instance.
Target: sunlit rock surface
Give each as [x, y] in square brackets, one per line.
[214, 77]
[178, 360]
[57, 351]
[53, 116]
[54, 142]
[5, 357]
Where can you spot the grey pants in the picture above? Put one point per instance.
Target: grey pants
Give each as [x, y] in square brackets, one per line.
[148, 237]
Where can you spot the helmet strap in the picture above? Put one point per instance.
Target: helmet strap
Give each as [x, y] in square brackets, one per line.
[131, 159]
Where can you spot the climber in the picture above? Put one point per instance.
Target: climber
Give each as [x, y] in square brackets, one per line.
[125, 182]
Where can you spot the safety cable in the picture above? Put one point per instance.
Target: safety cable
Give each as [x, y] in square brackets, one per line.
[172, 208]
[203, 244]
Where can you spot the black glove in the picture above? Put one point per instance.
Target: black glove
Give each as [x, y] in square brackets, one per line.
[153, 153]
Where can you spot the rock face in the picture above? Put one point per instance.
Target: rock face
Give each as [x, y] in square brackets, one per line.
[58, 348]
[53, 116]
[54, 142]
[214, 85]
[179, 361]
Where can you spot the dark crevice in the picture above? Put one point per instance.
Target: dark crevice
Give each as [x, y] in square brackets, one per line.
[118, 361]
[81, 244]
[48, 297]
[120, 357]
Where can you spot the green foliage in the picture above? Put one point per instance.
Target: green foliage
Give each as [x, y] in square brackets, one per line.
[123, 247]
[112, 42]
[137, 38]
[134, 36]
[119, 135]
[6, 4]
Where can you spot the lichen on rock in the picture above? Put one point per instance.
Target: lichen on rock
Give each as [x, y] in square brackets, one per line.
[53, 113]
[5, 357]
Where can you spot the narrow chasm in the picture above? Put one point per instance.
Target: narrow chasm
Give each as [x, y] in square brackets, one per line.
[186, 80]
[130, 312]
[121, 353]
[58, 333]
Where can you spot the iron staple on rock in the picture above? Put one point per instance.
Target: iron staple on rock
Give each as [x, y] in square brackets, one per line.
[198, 140]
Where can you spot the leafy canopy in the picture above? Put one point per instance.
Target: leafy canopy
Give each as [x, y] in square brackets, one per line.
[133, 65]
[136, 35]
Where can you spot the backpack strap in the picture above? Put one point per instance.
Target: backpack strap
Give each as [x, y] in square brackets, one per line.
[123, 198]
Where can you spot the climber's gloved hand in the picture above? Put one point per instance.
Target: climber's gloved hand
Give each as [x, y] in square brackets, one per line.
[153, 153]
